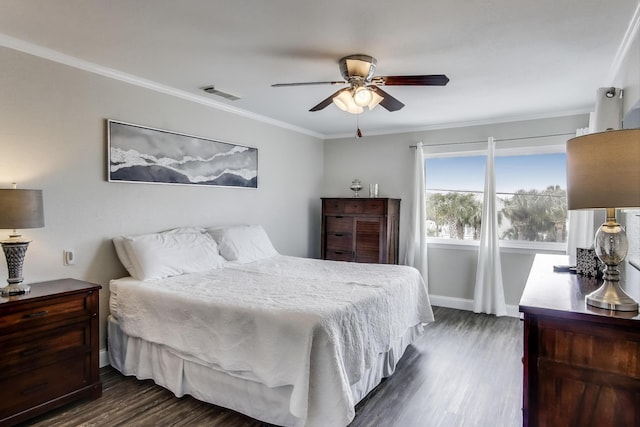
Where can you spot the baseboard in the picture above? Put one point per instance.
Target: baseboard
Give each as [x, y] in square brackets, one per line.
[104, 358]
[466, 304]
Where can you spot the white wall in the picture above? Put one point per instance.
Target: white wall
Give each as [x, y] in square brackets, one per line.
[53, 137]
[387, 160]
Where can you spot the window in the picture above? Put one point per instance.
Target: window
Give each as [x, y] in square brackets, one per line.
[530, 195]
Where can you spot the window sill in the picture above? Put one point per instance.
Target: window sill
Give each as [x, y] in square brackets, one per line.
[505, 246]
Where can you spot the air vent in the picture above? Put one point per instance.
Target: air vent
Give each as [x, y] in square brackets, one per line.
[213, 91]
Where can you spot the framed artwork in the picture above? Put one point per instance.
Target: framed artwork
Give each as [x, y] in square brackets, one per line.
[141, 154]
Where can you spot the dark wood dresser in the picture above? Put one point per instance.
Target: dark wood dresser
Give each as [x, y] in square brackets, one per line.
[360, 229]
[581, 364]
[48, 348]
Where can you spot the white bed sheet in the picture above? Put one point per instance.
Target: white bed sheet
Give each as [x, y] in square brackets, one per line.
[281, 322]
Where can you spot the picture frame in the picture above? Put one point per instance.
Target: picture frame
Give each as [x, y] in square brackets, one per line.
[142, 154]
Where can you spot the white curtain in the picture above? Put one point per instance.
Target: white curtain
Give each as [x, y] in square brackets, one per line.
[489, 290]
[416, 249]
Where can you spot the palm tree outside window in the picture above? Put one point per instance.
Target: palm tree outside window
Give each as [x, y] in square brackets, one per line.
[531, 197]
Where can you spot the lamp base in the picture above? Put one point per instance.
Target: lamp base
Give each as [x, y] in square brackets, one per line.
[15, 289]
[14, 250]
[610, 296]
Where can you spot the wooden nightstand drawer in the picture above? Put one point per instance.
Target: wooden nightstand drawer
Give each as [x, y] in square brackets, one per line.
[49, 344]
[43, 313]
[20, 353]
[18, 393]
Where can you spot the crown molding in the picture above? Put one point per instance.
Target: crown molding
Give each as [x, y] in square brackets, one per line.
[91, 67]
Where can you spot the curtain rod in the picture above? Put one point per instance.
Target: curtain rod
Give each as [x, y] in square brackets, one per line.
[497, 140]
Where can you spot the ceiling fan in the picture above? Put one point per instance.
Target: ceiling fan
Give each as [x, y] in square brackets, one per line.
[364, 88]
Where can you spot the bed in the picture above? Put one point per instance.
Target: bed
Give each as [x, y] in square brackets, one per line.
[220, 315]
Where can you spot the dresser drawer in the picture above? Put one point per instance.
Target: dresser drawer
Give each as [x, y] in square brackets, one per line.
[373, 207]
[21, 392]
[339, 241]
[339, 255]
[20, 353]
[333, 206]
[339, 224]
[590, 346]
[354, 206]
[36, 313]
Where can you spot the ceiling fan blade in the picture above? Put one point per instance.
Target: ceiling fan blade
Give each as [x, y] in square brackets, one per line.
[327, 101]
[308, 84]
[425, 80]
[388, 101]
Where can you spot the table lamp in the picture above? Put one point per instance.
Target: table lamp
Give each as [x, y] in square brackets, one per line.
[603, 172]
[18, 209]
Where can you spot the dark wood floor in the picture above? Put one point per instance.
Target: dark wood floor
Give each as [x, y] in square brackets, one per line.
[465, 371]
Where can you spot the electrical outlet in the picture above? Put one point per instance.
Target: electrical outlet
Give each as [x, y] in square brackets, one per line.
[69, 257]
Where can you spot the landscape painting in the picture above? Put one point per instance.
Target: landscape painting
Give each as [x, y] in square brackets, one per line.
[142, 154]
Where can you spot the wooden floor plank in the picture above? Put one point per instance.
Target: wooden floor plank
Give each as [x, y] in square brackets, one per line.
[465, 371]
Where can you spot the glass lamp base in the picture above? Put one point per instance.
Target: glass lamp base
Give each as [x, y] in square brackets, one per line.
[15, 289]
[610, 296]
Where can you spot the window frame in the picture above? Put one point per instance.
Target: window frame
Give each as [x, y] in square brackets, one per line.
[518, 246]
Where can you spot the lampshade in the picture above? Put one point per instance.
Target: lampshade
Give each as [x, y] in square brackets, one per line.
[603, 170]
[21, 209]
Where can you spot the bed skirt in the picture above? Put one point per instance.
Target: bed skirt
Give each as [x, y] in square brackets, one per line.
[188, 376]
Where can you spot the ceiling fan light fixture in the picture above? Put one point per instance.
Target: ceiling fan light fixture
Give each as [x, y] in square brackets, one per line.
[344, 101]
[362, 96]
[375, 100]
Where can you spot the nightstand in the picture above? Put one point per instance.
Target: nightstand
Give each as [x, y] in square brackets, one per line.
[48, 348]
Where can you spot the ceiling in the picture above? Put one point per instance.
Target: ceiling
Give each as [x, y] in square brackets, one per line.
[506, 59]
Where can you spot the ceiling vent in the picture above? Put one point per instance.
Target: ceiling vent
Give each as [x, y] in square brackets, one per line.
[213, 91]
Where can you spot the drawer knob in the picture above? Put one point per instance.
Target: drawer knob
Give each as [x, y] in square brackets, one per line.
[338, 234]
[37, 314]
[338, 253]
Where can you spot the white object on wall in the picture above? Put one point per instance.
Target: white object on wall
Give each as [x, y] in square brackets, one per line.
[608, 114]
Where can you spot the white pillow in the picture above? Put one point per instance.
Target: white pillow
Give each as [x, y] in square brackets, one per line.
[243, 243]
[170, 253]
[123, 254]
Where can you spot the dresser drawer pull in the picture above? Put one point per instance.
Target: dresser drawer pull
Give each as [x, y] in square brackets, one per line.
[338, 234]
[35, 389]
[38, 314]
[338, 252]
[32, 351]
[339, 216]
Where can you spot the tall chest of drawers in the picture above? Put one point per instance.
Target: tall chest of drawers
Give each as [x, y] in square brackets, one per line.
[49, 348]
[360, 229]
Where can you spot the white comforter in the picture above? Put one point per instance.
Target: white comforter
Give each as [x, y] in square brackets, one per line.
[315, 325]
